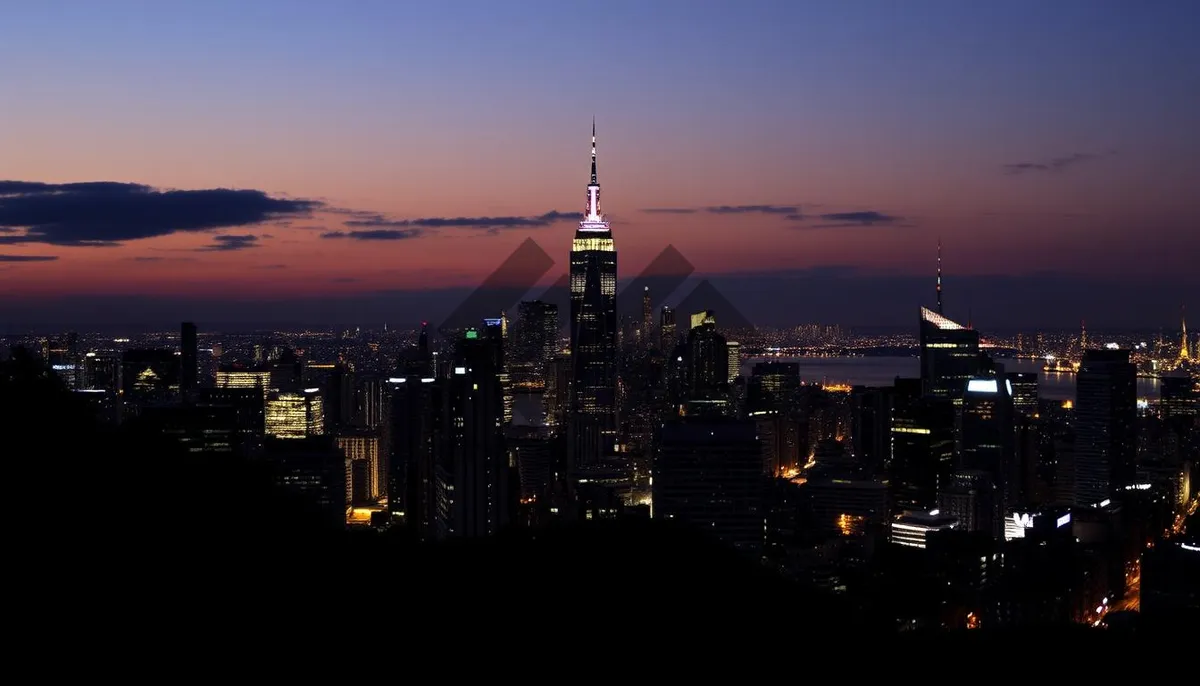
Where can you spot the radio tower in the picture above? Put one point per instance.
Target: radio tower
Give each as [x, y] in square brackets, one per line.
[939, 276]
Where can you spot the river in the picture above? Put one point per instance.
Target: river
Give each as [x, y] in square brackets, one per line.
[882, 371]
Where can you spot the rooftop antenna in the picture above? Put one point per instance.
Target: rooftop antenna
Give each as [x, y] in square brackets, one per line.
[939, 276]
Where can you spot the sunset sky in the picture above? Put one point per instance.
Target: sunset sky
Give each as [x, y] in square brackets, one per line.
[389, 155]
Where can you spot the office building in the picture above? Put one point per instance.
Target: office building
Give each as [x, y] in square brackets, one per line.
[295, 415]
[912, 529]
[1105, 425]
[987, 435]
[189, 365]
[593, 281]
[949, 355]
[708, 473]
[667, 335]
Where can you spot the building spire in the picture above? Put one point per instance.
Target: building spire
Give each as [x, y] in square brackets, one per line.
[592, 219]
[1183, 347]
[595, 181]
[939, 276]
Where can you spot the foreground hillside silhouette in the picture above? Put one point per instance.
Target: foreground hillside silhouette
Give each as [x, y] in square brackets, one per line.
[120, 522]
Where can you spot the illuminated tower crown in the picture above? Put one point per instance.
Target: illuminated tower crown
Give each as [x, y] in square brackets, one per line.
[592, 219]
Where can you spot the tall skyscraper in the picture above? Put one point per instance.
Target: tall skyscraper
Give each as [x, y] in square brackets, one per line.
[187, 358]
[666, 330]
[949, 355]
[647, 328]
[593, 277]
[709, 474]
[536, 345]
[473, 486]
[987, 436]
[1105, 424]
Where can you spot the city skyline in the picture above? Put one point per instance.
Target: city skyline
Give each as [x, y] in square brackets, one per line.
[380, 181]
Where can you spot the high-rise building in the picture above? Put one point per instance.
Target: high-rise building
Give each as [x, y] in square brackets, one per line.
[666, 330]
[248, 407]
[706, 363]
[971, 498]
[362, 447]
[949, 355]
[416, 418]
[295, 414]
[245, 378]
[734, 350]
[536, 345]
[922, 447]
[149, 376]
[187, 358]
[1024, 392]
[647, 327]
[772, 385]
[987, 435]
[593, 281]
[313, 468]
[708, 473]
[474, 490]
[1105, 425]
[871, 427]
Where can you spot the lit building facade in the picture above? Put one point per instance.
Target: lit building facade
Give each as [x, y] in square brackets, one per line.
[949, 355]
[368, 481]
[593, 281]
[295, 415]
[912, 529]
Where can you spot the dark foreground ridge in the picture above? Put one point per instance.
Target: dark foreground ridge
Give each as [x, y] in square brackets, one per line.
[114, 524]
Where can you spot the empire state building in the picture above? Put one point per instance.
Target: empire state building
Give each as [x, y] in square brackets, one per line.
[593, 423]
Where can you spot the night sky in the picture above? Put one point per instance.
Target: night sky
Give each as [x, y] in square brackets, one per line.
[262, 163]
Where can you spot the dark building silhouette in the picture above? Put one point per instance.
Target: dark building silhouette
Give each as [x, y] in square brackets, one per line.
[314, 469]
[772, 386]
[667, 335]
[474, 489]
[708, 474]
[1105, 425]
[922, 447]
[416, 416]
[188, 362]
[249, 414]
[536, 345]
[706, 364]
[987, 435]
[971, 497]
[149, 376]
[871, 427]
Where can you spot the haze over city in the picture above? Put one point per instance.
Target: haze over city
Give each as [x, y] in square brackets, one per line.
[310, 165]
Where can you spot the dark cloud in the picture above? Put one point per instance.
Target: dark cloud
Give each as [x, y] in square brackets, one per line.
[1055, 164]
[344, 279]
[376, 234]
[270, 266]
[670, 210]
[362, 220]
[728, 209]
[230, 243]
[107, 213]
[155, 258]
[839, 220]
[28, 258]
[753, 209]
